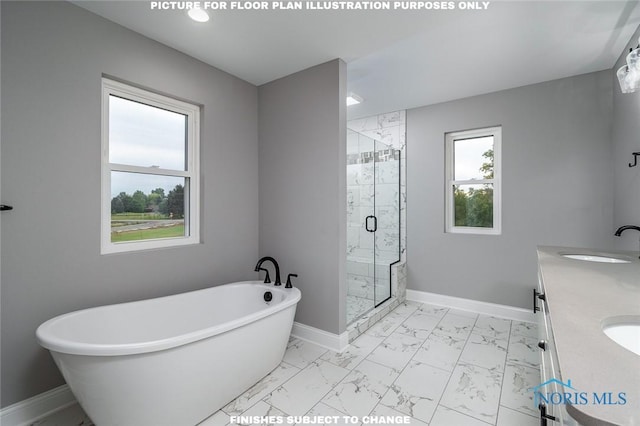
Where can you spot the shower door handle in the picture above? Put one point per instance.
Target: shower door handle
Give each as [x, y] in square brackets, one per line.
[375, 223]
[366, 223]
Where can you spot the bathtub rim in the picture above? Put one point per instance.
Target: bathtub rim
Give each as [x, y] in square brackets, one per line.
[48, 340]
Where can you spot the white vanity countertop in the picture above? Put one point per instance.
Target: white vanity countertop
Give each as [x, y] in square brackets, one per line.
[580, 296]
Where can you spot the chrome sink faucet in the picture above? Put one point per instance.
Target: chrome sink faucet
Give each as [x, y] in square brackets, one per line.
[624, 228]
[275, 264]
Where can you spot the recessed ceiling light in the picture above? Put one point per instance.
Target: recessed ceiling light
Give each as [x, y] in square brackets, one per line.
[198, 15]
[353, 99]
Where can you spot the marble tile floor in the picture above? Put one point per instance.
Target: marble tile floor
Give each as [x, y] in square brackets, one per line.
[441, 367]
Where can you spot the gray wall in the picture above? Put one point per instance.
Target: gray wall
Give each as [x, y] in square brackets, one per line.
[302, 187]
[625, 140]
[557, 186]
[53, 56]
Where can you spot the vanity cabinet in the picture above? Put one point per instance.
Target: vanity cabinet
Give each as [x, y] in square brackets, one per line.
[579, 291]
[550, 414]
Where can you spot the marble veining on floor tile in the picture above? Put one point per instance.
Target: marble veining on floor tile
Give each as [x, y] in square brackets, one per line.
[486, 352]
[418, 325]
[433, 310]
[492, 327]
[526, 329]
[386, 325]
[362, 389]
[417, 391]
[524, 351]
[300, 393]
[516, 390]
[281, 374]
[456, 325]
[474, 391]
[440, 350]
[395, 351]
[355, 353]
[301, 353]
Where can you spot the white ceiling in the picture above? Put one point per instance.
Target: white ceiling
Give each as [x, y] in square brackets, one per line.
[399, 59]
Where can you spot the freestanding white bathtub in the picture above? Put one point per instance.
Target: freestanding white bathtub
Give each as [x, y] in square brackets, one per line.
[173, 360]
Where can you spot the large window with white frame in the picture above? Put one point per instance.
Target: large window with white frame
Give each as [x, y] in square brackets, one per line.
[473, 181]
[150, 169]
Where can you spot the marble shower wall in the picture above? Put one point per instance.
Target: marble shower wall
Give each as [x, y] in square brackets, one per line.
[390, 129]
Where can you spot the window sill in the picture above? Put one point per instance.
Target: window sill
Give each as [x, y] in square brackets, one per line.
[473, 231]
[134, 246]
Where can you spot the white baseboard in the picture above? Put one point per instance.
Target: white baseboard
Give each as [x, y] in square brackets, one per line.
[334, 342]
[35, 408]
[493, 309]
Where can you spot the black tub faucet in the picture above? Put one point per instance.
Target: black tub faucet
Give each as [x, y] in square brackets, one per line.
[289, 280]
[624, 228]
[267, 280]
[275, 264]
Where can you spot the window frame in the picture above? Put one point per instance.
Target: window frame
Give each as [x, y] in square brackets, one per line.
[450, 138]
[191, 172]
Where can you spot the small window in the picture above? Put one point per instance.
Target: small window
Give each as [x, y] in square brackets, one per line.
[473, 181]
[150, 186]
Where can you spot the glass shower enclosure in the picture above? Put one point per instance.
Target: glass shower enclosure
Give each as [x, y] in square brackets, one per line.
[373, 222]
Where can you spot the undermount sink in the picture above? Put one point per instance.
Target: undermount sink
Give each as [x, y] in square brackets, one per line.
[625, 331]
[596, 258]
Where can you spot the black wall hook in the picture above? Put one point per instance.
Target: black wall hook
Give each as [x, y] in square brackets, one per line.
[635, 159]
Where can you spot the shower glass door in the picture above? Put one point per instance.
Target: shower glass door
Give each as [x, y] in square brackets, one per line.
[373, 222]
[386, 247]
